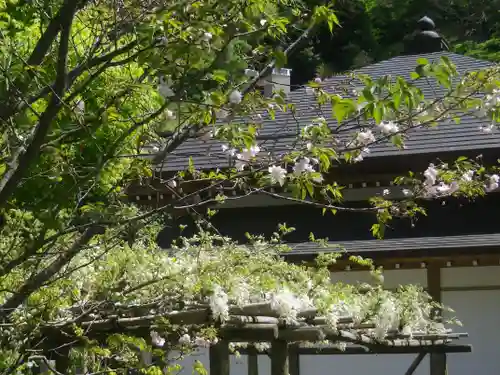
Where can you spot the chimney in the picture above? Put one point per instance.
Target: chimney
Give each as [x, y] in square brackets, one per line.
[425, 39]
[278, 80]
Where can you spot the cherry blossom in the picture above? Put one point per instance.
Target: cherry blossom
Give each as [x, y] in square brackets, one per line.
[228, 150]
[245, 156]
[278, 174]
[303, 165]
[235, 97]
[365, 151]
[365, 137]
[388, 127]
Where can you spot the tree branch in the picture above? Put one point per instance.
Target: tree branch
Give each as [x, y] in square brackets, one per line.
[182, 134]
[21, 162]
[33, 283]
[67, 11]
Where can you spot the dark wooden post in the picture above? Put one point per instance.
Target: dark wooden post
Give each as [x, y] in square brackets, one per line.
[279, 357]
[437, 360]
[438, 364]
[294, 360]
[219, 358]
[253, 361]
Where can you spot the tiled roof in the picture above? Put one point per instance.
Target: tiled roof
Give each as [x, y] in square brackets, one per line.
[279, 134]
[403, 244]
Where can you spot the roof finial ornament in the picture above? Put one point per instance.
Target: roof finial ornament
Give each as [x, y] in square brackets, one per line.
[426, 23]
[425, 39]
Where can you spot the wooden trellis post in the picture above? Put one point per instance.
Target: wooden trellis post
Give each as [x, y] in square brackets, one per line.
[279, 358]
[219, 358]
[294, 360]
[253, 361]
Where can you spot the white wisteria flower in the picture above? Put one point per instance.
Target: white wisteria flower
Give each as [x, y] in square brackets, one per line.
[185, 339]
[219, 304]
[278, 174]
[207, 37]
[235, 97]
[156, 339]
[388, 127]
[492, 183]
[430, 175]
[170, 115]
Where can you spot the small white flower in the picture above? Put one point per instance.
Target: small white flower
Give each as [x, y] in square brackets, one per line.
[246, 155]
[430, 175]
[157, 339]
[170, 115]
[263, 22]
[172, 184]
[201, 342]
[80, 107]
[467, 176]
[185, 339]
[386, 192]
[309, 146]
[487, 129]
[261, 346]
[492, 183]
[278, 174]
[388, 127]
[235, 97]
[219, 304]
[304, 165]
[207, 37]
[229, 151]
[365, 137]
[406, 192]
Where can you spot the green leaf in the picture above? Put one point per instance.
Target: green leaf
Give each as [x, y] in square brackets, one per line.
[280, 58]
[422, 61]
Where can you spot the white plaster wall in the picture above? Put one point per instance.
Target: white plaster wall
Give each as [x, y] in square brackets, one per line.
[392, 278]
[479, 312]
[470, 276]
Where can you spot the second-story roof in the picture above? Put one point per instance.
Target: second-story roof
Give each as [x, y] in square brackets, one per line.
[279, 134]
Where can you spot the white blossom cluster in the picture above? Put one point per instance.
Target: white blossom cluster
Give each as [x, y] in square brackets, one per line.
[234, 275]
[433, 186]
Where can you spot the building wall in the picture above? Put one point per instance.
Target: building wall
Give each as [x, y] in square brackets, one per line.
[474, 294]
[470, 291]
